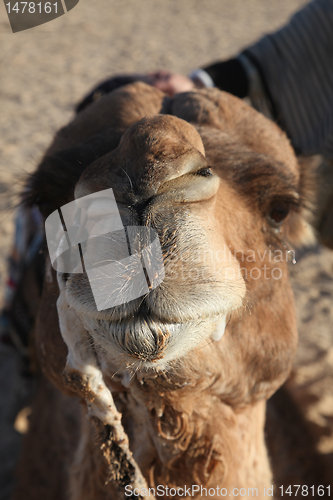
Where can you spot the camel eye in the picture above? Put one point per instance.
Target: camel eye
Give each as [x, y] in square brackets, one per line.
[278, 214]
[204, 172]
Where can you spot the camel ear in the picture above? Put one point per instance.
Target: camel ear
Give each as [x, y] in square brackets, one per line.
[301, 227]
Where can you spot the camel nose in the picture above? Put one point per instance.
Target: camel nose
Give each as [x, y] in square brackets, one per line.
[155, 150]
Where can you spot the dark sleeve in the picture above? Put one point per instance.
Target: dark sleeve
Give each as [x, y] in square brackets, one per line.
[229, 76]
[295, 65]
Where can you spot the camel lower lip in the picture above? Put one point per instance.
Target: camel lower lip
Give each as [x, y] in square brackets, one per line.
[142, 338]
[144, 341]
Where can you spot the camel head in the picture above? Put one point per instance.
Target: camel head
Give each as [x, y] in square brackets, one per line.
[220, 187]
[161, 179]
[206, 201]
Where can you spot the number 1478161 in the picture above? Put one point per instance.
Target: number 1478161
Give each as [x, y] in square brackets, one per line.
[32, 7]
[303, 490]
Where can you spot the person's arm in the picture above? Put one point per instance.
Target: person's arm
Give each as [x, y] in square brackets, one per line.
[289, 76]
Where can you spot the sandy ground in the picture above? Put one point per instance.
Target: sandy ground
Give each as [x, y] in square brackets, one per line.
[45, 71]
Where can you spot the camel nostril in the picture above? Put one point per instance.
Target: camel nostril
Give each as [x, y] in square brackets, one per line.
[204, 172]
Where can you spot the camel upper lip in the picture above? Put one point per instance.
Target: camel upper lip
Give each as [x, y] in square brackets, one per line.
[143, 313]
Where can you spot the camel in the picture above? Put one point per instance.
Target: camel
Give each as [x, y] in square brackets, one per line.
[166, 395]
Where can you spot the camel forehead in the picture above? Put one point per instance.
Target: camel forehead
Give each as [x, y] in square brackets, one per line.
[218, 110]
[157, 131]
[222, 111]
[155, 149]
[159, 147]
[130, 108]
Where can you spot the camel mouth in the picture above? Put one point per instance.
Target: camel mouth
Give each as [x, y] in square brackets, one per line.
[144, 339]
[147, 341]
[145, 333]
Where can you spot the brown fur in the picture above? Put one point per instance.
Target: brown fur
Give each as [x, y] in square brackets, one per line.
[200, 419]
